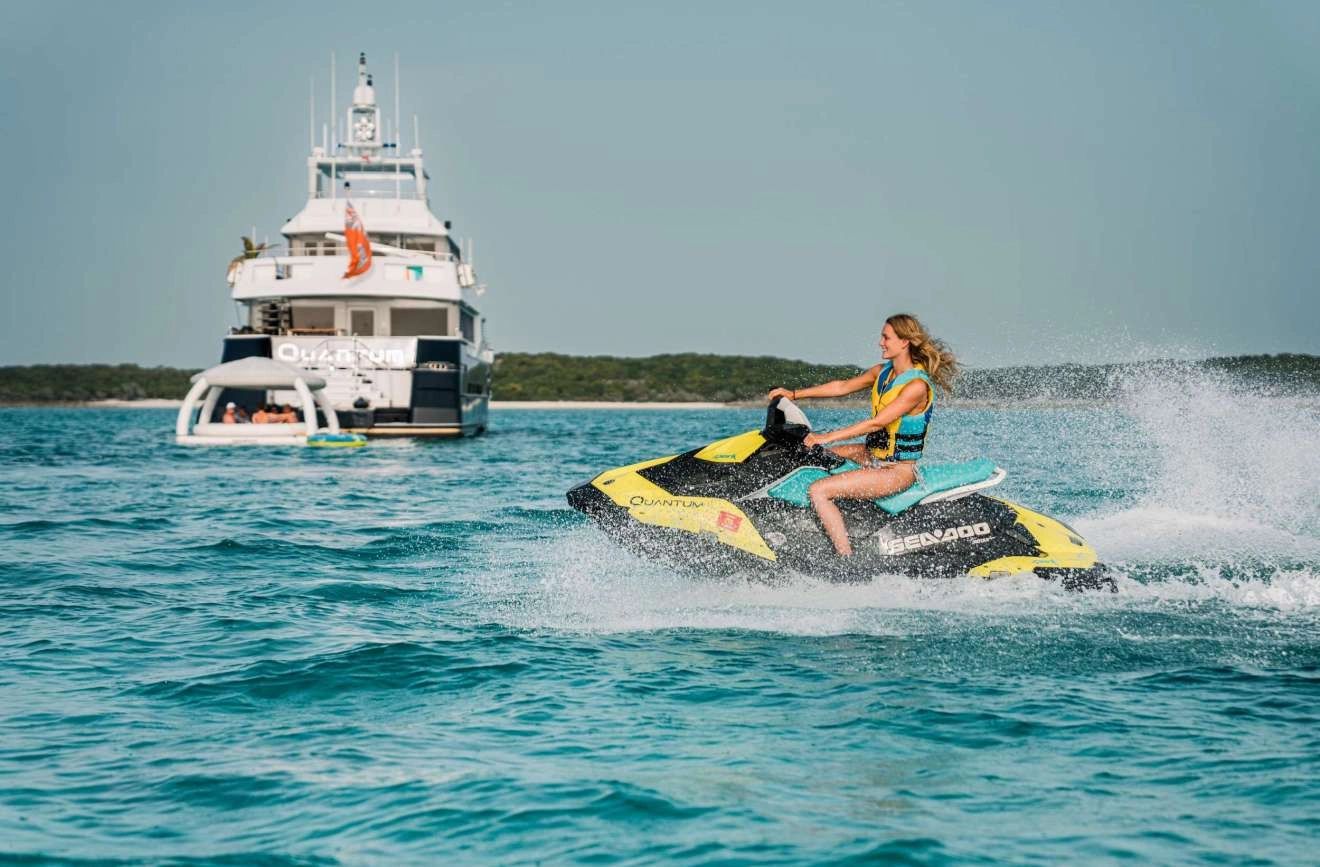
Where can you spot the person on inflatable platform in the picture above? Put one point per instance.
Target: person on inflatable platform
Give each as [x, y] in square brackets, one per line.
[902, 401]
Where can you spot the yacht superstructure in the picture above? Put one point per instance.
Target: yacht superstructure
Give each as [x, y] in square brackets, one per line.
[401, 346]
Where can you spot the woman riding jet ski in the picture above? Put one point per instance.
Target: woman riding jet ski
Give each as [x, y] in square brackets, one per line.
[902, 403]
[745, 502]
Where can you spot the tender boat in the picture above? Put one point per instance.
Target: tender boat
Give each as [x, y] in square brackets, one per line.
[279, 383]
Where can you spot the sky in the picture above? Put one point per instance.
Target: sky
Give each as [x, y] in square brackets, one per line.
[1039, 181]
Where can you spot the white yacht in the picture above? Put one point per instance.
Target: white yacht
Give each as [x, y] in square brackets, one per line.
[401, 345]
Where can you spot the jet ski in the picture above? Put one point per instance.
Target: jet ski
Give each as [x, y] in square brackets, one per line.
[740, 504]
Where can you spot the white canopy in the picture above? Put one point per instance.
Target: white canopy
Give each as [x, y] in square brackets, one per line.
[258, 372]
[194, 425]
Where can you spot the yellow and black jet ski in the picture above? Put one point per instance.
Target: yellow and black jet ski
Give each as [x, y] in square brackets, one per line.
[741, 504]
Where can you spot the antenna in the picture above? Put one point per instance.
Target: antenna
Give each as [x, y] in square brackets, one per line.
[325, 138]
[332, 98]
[416, 137]
[311, 117]
[396, 100]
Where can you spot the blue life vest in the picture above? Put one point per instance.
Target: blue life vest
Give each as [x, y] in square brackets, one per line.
[904, 437]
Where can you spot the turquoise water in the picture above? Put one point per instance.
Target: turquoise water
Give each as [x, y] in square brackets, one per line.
[415, 653]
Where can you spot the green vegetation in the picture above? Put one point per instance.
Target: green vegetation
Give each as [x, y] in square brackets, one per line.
[549, 376]
[75, 383]
[692, 377]
[251, 250]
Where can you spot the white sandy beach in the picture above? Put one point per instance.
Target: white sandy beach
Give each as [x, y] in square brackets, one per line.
[601, 404]
[145, 403]
[163, 403]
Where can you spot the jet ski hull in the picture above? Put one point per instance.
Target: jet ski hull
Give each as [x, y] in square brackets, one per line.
[723, 509]
[998, 545]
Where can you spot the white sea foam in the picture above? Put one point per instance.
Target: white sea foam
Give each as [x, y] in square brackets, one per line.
[1235, 475]
[1163, 533]
[1231, 508]
[589, 584]
[1282, 590]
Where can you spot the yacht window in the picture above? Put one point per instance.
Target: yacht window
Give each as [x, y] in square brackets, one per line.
[419, 322]
[467, 326]
[426, 244]
[380, 182]
[314, 319]
[362, 323]
[324, 185]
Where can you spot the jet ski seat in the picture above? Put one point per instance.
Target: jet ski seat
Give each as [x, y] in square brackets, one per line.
[934, 482]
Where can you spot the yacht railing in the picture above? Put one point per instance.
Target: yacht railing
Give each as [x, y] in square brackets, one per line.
[369, 194]
[341, 250]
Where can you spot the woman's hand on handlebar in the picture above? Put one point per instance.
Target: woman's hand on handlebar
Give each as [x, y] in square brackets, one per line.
[813, 439]
[780, 392]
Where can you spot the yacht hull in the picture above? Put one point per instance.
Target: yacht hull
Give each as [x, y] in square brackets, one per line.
[432, 387]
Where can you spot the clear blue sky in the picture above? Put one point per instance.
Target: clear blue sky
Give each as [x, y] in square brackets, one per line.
[1040, 181]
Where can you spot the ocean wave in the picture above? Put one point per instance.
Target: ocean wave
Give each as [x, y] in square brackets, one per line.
[375, 667]
[42, 526]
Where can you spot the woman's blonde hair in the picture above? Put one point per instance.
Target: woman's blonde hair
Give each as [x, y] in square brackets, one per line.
[940, 363]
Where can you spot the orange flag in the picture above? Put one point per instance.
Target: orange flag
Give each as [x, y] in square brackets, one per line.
[359, 247]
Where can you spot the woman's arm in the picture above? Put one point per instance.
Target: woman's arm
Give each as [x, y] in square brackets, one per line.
[912, 396]
[837, 388]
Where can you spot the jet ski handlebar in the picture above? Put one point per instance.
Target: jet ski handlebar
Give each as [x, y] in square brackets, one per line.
[785, 421]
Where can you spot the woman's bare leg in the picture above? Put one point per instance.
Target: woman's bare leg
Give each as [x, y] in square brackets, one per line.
[867, 484]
